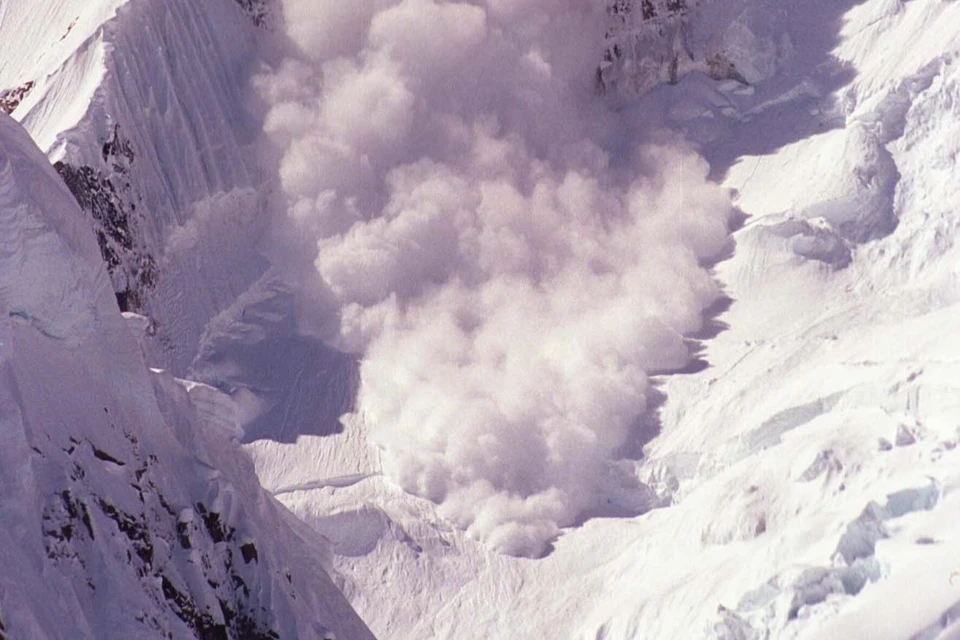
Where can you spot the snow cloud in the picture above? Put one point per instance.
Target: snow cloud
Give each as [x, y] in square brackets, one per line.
[510, 256]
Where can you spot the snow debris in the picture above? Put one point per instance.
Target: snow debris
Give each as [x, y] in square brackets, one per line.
[460, 227]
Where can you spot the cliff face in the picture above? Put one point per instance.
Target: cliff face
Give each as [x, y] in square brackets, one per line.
[654, 42]
[128, 508]
[261, 12]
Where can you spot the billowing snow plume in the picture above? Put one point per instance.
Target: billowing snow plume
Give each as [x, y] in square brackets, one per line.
[508, 256]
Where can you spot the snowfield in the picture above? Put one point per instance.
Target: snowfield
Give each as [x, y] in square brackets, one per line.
[500, 313]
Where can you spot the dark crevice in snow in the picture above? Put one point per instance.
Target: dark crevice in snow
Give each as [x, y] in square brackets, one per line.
[202, 623]
[234, 617]
[215, 527]
[143, 539]
[249, 552]
[228, 625]
[134, 528]
[63, 517]
[117, 151]
[106, 457]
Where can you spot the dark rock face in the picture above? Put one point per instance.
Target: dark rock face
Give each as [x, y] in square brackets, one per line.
[107, 196]
[10, 99]
[651, 25]
[258, 10]
[249, 551]
[141, 529]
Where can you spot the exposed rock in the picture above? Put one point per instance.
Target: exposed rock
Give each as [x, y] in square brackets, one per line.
[644, 47]
[258, 10]
[107, 196]
[825, 463]
[10, 99]
[249, 551]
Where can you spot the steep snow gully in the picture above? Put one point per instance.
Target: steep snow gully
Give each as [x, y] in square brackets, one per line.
[660, 293]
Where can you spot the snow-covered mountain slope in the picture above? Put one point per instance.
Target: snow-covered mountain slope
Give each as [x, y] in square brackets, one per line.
[143, 107]
[800, 474]
[128, 508]
[807, 466]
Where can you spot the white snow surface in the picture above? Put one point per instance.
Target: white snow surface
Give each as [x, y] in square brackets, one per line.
[168, 82]
[105, 461]
[100, 455]
[799, 474]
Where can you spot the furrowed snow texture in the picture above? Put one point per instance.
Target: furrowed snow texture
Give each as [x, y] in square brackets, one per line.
[127, 510]
[142, 107]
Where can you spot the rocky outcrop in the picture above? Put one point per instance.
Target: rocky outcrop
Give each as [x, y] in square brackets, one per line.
[259, 11]
[645, 44]
[125, 512]
[107, 196]
[10, 99]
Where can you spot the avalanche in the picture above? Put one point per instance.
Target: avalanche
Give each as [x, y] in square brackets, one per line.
[798, 469]
[807, 466]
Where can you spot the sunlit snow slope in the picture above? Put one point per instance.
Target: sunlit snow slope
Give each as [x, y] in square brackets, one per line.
[127, 508]
[807, 467]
